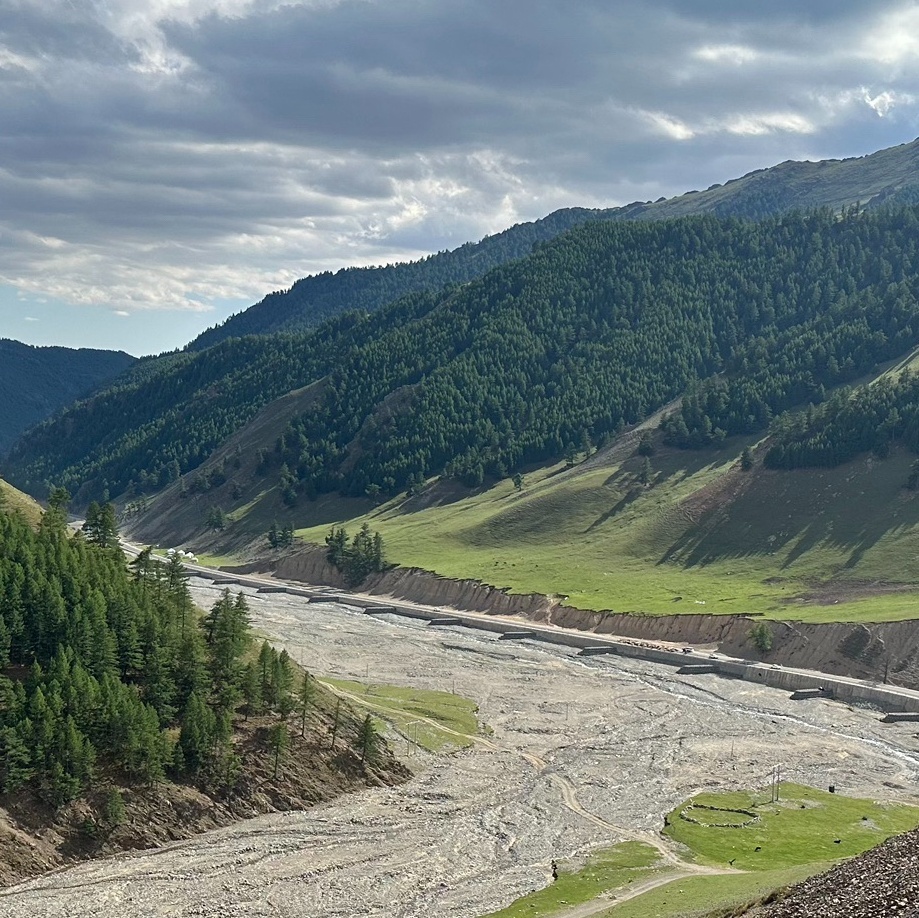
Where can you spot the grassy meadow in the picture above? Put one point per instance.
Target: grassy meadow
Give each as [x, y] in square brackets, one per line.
[762, 845]
[700, 535]
[15, 500]
[436, 721]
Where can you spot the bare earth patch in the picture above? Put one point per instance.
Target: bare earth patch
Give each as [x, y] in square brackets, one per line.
[841, 591]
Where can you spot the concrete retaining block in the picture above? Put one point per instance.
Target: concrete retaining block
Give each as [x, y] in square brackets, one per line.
[901, 704]
[903, 717]
[805, 693]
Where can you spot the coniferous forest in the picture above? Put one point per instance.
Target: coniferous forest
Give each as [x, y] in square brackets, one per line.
[106, 670]
[592, 331]
[870, 419]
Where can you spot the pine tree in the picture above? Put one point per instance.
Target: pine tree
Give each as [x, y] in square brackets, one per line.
[16, 759]
[337, 540]
[646, 472]
[101, 527]
[190, 667]
[307, 695]
[368, 741]
[283, 680]
[177, 592]
[266, 666]
[252, 690]
[113, 808]
[228, 641]
[279, 743]
[196, 736]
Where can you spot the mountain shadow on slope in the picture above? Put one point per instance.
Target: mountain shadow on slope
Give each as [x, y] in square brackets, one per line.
[37, 381]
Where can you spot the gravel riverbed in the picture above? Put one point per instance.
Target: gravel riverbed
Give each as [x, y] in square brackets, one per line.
[578, 752]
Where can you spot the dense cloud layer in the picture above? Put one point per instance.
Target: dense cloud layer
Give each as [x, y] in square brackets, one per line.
[172, 153]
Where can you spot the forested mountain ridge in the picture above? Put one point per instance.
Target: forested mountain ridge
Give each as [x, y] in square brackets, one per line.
[37, 381]
[312, 300]
[888, 176]
[166, 415]
[593, 331]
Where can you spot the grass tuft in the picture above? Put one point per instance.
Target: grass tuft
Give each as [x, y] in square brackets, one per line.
[436, 721]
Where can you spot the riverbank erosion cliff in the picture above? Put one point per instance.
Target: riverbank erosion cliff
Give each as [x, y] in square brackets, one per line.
[884, 651]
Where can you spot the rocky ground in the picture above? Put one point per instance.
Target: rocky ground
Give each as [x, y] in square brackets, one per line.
[883, 883]
[578, 753]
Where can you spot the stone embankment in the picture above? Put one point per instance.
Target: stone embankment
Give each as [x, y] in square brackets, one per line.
[887, 652]
[419, 594]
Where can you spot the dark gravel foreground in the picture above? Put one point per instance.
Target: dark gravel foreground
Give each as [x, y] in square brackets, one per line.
[882, 883]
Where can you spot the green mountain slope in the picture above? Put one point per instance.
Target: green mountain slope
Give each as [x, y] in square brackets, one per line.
[37, 381]
[13, 500]
[679, 531]
[886, 176]
[314, 299]
[696, 535]
[591, 332]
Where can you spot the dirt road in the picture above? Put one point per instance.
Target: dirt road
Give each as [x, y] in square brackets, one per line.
[582, 752]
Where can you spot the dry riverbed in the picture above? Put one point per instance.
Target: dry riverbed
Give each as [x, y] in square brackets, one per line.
[578, 753]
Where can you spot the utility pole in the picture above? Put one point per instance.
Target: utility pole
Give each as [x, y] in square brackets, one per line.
[776, 778]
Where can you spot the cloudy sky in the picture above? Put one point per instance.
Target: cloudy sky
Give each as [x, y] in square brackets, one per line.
[164, 163]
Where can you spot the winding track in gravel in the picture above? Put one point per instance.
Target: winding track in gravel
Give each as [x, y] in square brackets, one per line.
[583, 753]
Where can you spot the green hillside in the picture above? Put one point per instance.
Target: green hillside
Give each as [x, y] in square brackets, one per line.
[678, 531]
[590, 333]
[888, 176]
[748, 843]
[15, 501]
[37, 381]
[312, 300]
[701, 535]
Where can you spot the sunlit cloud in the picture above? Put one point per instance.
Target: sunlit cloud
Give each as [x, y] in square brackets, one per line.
[768, 123]
[669, 126]
[894, 38]
[734, 55]
[884, 102]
